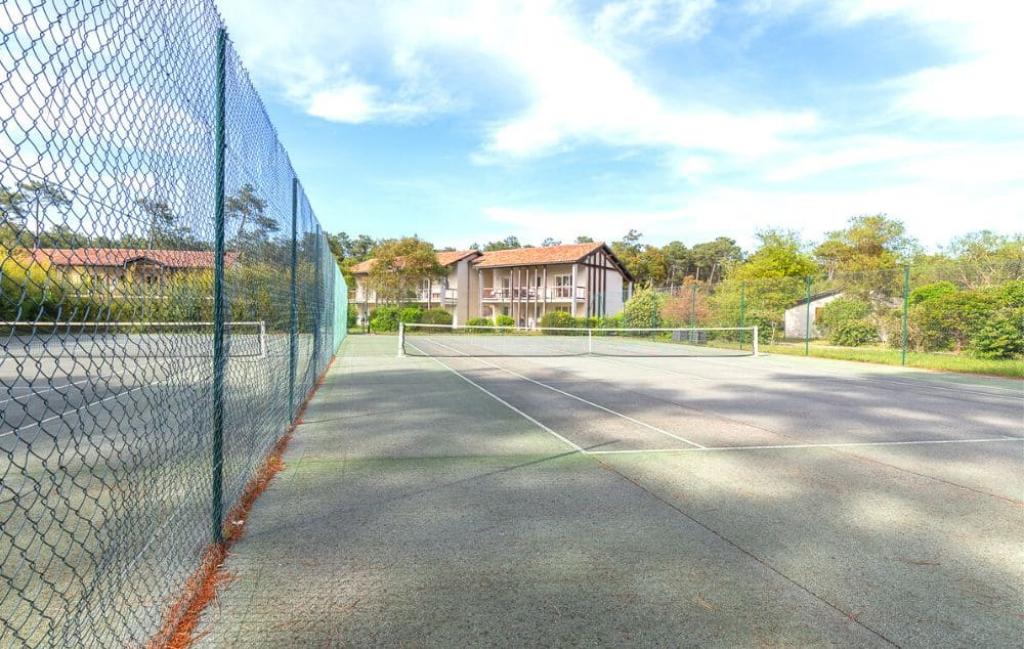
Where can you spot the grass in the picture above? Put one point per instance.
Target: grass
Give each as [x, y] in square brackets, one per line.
[924, 360]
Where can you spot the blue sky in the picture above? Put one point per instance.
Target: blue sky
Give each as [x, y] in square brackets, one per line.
[685, 119]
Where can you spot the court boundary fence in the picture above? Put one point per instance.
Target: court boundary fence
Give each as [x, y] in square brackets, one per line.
[143, 183]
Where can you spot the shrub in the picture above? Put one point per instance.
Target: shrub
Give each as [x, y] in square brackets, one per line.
[931, 291]
[384, 319]
[353, 316]
[643, 310]
[557, 319]
[1001, 335]
[609, 322]
[587, 323]
[479, 322]
[505, 321]
[842, 311]
[436, 316]
[853, 333]
[410, 314]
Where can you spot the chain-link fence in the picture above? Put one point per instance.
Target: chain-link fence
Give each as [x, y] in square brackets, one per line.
[168, 302]
[941, 315]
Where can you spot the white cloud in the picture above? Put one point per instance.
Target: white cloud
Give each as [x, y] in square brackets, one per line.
[654, 18]
[934, 212]
[570, 88]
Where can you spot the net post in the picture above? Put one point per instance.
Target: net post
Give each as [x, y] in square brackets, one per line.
[263, 338]
[590, 341]
[756, 350]
[905, 324]
[217, 388]
[401, 339]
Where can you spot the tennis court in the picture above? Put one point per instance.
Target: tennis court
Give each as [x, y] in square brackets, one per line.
[463, 494]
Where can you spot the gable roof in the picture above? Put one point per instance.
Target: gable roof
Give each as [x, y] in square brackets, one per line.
[817, 296]
[565, 254]
[445, 258]
[111, 257]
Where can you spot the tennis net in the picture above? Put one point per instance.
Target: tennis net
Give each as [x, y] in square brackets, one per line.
[113, 339]
[481, 341]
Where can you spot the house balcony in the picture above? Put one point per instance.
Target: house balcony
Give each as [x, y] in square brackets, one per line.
[550, 294]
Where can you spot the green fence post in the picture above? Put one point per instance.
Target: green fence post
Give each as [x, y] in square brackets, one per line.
[293, 322]
[743, 310]
[318, 311]
[906, 312]
[217, 495]
[693, 312]
[807, 319]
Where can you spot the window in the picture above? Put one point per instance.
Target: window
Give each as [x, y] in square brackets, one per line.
[563, 285]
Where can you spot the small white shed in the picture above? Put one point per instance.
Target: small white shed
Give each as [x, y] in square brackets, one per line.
[796, 315]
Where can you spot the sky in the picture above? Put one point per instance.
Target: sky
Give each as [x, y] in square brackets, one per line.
[466, 122]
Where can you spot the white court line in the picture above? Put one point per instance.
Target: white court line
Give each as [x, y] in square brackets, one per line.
[33, 393]
[84, 406]
[571, 396]
[768, 447]
[508, 405]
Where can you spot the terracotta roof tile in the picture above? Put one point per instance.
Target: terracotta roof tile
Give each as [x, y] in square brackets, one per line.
[120, 256]
[565, 254]
[446, 258]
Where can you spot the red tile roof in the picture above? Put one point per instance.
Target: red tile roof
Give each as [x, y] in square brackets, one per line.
[121, 256]
[566, 254]
[446, 258]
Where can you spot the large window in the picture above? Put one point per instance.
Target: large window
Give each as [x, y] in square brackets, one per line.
[563, 285]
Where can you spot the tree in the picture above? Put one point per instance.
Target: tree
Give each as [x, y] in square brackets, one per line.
[400, 267]
[780, 253]
[628, 251]
[867, 243]
[710, 259]
[510, 242]
[643, 309]
[547, 243]
[32, 199]
[163, 230]
[584, 239]
[984, 258]
[677, 261]
[247, 209]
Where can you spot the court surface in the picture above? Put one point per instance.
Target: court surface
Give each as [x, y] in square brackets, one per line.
[598, 501]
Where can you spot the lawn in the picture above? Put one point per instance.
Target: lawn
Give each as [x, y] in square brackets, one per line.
[930, 361]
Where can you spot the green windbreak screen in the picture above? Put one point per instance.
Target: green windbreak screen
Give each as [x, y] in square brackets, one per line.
[135, 407]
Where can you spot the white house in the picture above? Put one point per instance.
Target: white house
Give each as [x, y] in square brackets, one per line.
[796, 315]
[584, 279]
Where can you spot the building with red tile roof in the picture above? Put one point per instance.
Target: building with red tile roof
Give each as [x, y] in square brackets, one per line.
[582, 279]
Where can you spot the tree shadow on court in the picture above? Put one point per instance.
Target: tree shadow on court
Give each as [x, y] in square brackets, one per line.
[418, 509]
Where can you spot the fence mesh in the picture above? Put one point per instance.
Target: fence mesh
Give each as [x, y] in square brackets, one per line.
[942, 310]
[135, 406]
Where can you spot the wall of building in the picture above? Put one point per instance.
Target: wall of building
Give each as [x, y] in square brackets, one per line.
[795, 318]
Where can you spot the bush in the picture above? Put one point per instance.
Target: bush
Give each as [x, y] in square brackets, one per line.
[353, 316]
[557, 319]
[931, 291]
[410, 314]
[842, 311]
[854, 333]
[505, 321]
[643, 310]
[384, 319]
[436, 316]
[1000, 336]
[479, 322]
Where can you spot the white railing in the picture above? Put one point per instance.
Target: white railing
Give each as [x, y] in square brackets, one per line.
[552, 293]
